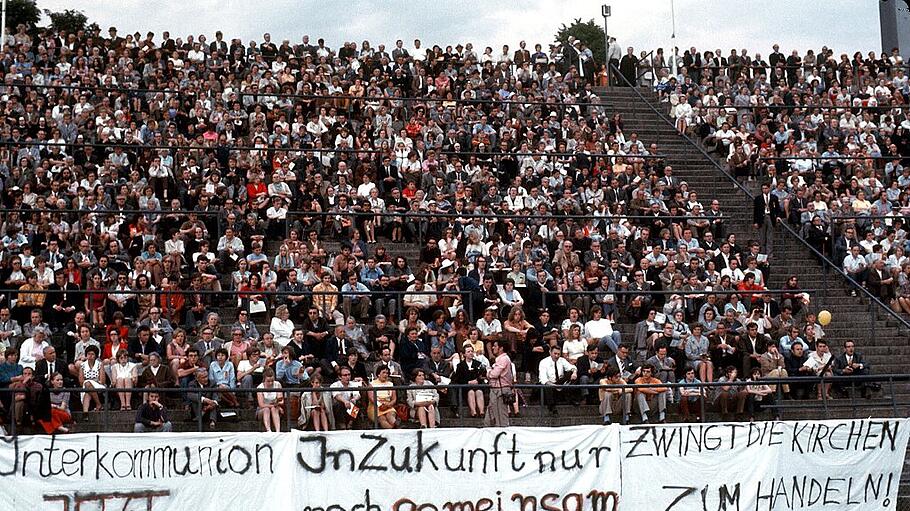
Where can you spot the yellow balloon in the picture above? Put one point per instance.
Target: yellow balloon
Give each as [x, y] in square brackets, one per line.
[824, 317]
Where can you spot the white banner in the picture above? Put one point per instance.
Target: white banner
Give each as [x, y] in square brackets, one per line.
[764, 466]
[837, 465]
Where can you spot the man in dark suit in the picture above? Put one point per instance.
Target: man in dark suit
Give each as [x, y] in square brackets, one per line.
[880, 282]
[143, 345]
[590, 371]
[850, 363]
[623, 363]
[50, 365]
[766, 212]
[207, 345]
[843, 244]
[387, 176]
[754, 346]
[725, 348]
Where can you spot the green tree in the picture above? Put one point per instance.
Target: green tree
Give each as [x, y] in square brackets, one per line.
[21, 12]
[588, 32]
[70, 20]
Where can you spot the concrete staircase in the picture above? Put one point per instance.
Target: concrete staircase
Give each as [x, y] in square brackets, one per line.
[882, 339]
[878, 335]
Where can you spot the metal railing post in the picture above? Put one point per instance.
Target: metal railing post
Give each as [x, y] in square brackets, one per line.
[852, 400]
[704, 396]
[893, 398]
[376, 407]
[105, 420]
[458, 403]
[199, 411]
[287, 408]
[12, 413]
[540, 407]
[780, 398]
[824, 393]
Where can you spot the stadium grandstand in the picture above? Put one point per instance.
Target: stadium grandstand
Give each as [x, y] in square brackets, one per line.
[501, 230]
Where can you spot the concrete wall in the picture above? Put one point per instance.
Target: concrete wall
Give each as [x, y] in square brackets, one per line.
[895, 23]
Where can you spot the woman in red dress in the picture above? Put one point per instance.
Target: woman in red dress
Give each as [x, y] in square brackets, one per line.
[95, 302]
[60, 412]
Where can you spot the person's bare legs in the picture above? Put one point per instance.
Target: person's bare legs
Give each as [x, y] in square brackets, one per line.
[86, 398]
[422, 416]
[430, 412]
[481, 406]
[125, 397]
[472, 403]
[267, 419]
[276, 420]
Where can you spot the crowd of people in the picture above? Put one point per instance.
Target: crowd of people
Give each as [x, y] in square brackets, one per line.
[829, 134]
[212, 216]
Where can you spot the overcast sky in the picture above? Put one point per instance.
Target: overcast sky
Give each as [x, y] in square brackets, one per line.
[844, 25]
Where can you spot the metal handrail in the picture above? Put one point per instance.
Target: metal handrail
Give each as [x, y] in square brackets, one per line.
[266, 292]
[832, 158]
[390, 151]
[790, 231]
[704, 388]
[355, 213]
[562, 104]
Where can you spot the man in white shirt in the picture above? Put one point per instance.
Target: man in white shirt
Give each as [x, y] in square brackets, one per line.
[600, 329]
[818, 362]
[418, 295]
[345, 399]
[855, 265]
[555, 371]
[490, 327]
[32, 349]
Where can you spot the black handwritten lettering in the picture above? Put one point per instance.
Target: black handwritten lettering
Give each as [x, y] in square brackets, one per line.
[595, 451]
[542, 465]
[321, 442]
[637, 441]
[424, 452]
[103, 500]
[513, 452]
[603, 501]
[686, 491]
[365, 462]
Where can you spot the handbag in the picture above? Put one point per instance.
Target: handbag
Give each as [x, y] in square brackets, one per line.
[401, 410]
[508, 398]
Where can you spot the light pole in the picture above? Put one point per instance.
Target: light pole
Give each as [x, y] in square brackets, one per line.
[3, 24]
[673, 51]
[605, 12]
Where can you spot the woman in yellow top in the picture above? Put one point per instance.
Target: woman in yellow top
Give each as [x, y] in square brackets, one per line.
[382, 402]
[28, 297]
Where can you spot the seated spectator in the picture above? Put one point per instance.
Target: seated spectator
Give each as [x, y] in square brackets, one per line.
[622, 396]
[124, 375]
[757, 394]
[600, 330]
[91, 377]
[156, 374]
[691, 396]
[647, 397]
[346, 398]
[382, 402]
[819, 362]
[270, 405]
[795, 364]
[60, 409]
[423, 401]
[556, 372]
[202, 397]
[726, 393]
[850, 363]
[152, 416]
[289, 371]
